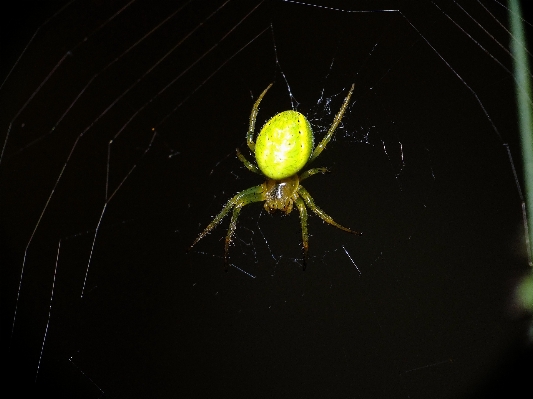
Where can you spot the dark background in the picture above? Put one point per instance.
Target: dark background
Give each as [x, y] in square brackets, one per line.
[417, 166]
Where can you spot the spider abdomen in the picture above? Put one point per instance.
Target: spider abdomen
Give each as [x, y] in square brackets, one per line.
[284, 145]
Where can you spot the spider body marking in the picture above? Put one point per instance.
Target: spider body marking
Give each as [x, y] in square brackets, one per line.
[283, 148]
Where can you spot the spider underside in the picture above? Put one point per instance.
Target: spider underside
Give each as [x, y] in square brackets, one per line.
[280, 194]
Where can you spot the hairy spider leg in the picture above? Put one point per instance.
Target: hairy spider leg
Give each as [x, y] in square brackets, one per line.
[229, 235]
[320, 147]
[311, 172]
[254, 194]
[250, 166]
[323, 215]
[245, 197]
[253, 117]
[303, 221]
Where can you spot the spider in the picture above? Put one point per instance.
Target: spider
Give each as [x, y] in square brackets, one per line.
[283, 148]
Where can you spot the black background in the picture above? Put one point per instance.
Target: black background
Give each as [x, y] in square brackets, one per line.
[429, 316]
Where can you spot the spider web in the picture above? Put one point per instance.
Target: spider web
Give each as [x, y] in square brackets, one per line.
[119, 127]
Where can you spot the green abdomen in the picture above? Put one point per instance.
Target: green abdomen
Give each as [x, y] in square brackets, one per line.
[284, 145]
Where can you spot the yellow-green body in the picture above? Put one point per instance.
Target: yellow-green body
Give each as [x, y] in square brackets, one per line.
[284, 145]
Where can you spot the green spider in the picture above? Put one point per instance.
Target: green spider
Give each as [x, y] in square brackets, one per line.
[282, 149]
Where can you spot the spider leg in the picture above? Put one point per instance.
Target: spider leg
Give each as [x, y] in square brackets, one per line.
[320, 147]
[255, 194]
[242, 198]
[250, 166]
[303, 221]
[231, 230]
[323, 215]
[311, 172]
[253, 117]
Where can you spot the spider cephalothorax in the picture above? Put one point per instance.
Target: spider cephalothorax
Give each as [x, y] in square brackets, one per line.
[280, 195]
[284, 146]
